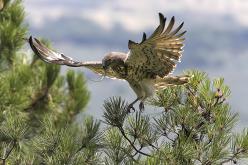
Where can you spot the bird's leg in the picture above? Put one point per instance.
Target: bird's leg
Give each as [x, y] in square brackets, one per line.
[130, 106]
[141, 106]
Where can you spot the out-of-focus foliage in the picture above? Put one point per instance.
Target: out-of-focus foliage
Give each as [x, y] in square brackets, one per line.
[38, 106]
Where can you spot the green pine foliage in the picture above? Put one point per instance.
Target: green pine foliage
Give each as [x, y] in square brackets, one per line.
[194, 126]
[11, 19]
[38, 105]
[39, 108]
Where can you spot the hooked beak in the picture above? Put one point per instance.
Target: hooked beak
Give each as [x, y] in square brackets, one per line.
[105, 67]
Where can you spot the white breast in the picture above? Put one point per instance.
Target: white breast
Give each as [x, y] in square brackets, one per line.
[147, 86]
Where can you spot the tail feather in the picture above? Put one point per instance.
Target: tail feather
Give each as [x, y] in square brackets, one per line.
[161, 83]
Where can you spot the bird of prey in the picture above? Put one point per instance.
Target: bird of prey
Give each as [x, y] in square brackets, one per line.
[146, 67]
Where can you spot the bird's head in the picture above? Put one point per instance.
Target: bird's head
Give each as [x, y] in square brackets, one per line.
[113, 59]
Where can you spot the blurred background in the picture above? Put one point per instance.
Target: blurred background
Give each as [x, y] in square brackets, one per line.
[216, 38]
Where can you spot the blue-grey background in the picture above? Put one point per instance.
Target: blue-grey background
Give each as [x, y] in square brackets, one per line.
[216, 39]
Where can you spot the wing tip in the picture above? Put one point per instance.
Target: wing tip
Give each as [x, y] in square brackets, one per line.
[181, 25]
[172, 20]
[181, 34]
[30, 39]
[144, 37]
[131, 44]
[31, 43]
[162, 20]
[160, 15]
[34, 48]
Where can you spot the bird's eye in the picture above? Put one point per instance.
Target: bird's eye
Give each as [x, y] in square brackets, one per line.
[108, 62]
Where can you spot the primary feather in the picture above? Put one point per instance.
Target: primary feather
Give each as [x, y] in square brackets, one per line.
[157, 55]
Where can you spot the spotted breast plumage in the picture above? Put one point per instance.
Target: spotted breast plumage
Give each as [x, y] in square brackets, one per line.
[146, 67]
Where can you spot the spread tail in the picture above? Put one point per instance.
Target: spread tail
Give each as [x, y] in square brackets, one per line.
[161, 83]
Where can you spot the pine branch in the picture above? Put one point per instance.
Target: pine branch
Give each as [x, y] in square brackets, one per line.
[239, 151]
[39, 98]
[8, 153]
[130, 142]
[150, 144]
[141, 147]
[167, 136]
[81, 148]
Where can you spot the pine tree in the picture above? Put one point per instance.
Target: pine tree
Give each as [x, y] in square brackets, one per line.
[38, 105]
[194, 126]
[39, 108]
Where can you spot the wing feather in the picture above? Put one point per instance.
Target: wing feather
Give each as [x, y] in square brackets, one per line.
[177, 29]
[161, 26]
[161, 50]
[53, 57]
[170, 26]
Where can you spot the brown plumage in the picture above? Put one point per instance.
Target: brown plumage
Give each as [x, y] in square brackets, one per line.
[146, 66]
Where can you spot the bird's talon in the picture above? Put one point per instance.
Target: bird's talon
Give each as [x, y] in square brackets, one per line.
[130, 108]
[141, 106]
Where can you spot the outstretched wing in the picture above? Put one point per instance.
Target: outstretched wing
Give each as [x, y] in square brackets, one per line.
[51, 56]
[158, 54]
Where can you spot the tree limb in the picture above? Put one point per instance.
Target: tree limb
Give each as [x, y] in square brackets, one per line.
[130, 142]
[8, 153]
[239, 151]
